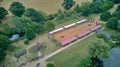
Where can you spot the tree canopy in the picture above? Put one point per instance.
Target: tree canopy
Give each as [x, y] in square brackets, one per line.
[107, 5]
[1, 0]
[30, 34]
[116, 14]
[3, 12]
[105, 16]
[67, 4]
[116, 1]
[77, 8]
[49, 26]
[99, 48]
[35, 16]
[118, 27]
[17, 9]
[4, 42]
[2, 55]
[85, 9]
[112, 23]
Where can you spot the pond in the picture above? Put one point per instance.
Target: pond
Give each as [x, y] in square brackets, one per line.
[114, 59]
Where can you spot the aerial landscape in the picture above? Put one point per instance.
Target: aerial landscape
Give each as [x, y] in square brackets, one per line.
[59, 33]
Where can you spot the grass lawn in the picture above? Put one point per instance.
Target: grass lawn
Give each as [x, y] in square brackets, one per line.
[47, 6]
[73, 55]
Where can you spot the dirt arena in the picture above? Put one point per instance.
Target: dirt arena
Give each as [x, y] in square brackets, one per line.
[73, 31]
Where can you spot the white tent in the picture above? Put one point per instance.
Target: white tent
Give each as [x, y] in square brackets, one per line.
[81, 21]
[56, 30]
[70, 25]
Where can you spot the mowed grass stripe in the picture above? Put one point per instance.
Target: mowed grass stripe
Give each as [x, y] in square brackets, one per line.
[73, 55]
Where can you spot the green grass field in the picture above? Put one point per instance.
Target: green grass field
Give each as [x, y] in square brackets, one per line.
[47, 6]
[73, 55]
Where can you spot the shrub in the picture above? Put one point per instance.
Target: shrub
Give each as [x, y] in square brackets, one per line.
[84, 63]
[49, 26]
[50, 65]
[105, 16]
[112, 23]
[17, 9]
[11, 48]
[26, 41]
[0, 22]
[102, 36]
[107, 5]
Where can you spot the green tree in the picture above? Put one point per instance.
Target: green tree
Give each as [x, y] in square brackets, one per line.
[35, 16]
[107, 5]
[118, 27]
[50, 65]
[37, 27]
[20, 24]
[1, 0]
[77, 8]
[102, 1]
[118, 8]
[112, 23]
[0, 22]
[2, 55]
[95, 6]
[116, 14]
[3, 12]
[116, 1]
[49, 26]
[30, 34]
[50, 17]
[117, 37]
[85, 9]
[67, 4]
[17, 9]
[98, 49]
[4, 42]
[105, 16]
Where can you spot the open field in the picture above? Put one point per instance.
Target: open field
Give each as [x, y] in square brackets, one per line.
[47, 6]
[73, 55]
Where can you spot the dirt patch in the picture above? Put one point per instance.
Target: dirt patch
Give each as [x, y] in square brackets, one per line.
[68, 33]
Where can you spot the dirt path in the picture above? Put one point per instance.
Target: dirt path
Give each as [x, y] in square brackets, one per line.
[42, 60]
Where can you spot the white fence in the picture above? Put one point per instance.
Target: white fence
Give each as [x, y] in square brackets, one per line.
[57, 30]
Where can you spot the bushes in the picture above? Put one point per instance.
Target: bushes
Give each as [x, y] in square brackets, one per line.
[26, 41]
[105, 16]
[50, 65]
[84, 63]
[11, 48]
[49, 26]
[17, 9]
[107, 5]
[30, 34]
[112, 23]
[3, 12]
[116, 1]
[102, 36]
[35, 16]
